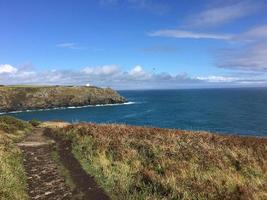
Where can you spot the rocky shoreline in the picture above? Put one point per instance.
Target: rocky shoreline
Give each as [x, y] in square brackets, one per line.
[22, 98]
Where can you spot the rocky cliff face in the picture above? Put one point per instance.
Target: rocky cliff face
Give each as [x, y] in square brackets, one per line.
[29, 98]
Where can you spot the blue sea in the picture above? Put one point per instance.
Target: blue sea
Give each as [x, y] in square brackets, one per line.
[226, 111]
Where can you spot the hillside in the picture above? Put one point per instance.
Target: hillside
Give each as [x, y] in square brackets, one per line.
[151, 163]
[128, 162]
[19, 98]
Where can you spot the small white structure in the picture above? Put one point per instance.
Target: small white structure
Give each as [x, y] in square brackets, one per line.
[88, 85]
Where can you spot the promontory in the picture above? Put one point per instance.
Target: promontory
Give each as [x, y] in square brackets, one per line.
[21, 98]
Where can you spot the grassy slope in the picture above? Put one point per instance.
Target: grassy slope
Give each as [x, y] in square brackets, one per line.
[152, 163]
[17, 98]
[12, 177]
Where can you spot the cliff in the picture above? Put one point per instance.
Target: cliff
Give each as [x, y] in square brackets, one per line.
[19, 98]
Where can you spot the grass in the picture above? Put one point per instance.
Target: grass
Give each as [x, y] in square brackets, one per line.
[22, 86]
[35, 122]
[152, 163]
[12, 176]
[64, 172]
[20, 98]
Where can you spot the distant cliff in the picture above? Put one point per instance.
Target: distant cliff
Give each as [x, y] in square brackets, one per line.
[19, 98]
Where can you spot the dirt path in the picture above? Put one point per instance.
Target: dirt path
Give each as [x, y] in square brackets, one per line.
[43, 176]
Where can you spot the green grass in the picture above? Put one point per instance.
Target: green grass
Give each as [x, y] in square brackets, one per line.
[12, 175]
[27, 85]
[151, 163]
[21, 98]
[13, 125]
[64, 172]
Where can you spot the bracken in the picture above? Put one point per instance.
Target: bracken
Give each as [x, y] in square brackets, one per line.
[152, 163]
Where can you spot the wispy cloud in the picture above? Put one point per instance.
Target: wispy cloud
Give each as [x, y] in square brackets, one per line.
[215, 15]
[255, 34]
[222, 14]
[152, 6]
[218, 79]
[250, 53]
[250, 56]
[66, 45]
[160, 49]
[175, 33]
[108, 2]
[70, 45]
[238, 80]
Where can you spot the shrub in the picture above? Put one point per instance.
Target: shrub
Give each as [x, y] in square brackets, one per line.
[152, 163]
[12, 175]
[35, 122]
[7, 128]
[13, 123]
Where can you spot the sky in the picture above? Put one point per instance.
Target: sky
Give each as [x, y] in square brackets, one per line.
[134, 44]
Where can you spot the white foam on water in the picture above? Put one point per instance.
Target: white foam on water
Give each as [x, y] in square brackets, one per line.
[71, 107]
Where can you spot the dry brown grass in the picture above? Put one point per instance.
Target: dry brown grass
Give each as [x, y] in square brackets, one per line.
[152, 163]
[54, 124]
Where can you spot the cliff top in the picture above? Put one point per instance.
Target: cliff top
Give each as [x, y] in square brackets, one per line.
[27, 97]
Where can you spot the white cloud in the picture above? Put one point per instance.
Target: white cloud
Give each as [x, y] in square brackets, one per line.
[217, 79]
[222, 14]
[107, 75]
[101, 70]
[115, 77]
[7, 69]
[175, 33]
[24, 74]
[137, 71]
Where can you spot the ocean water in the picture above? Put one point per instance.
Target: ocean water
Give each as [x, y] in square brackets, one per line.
[226, 111]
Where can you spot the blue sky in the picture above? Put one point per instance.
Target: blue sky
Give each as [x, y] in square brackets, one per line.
[134, 44]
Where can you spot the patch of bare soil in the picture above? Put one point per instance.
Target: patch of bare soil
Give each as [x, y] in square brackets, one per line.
[43, 176]
[85, 182]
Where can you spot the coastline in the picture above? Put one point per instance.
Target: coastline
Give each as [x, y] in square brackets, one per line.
[69, 107]
[25, 98]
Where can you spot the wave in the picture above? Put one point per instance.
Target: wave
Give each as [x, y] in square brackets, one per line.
[71, 107]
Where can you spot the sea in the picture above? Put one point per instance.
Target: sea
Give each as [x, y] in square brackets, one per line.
[241, 111]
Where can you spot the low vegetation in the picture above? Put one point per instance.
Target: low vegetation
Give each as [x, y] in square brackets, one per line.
[21, 98]
[151, 163]
[12, 176]
[35, 122]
